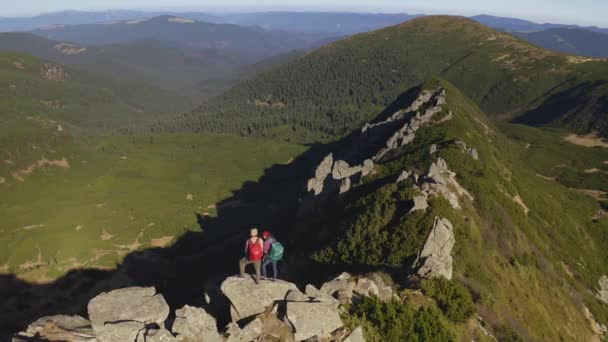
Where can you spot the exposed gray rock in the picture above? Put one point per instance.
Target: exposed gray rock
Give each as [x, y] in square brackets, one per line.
[342, 170]
[304, 317]
[296, 296]
[367, 168]
[367, 287]
[420, 203]
[345, 185]
[195, 323]
[343, 276]
[137, 304]
[160, 335]
[355, 336]
[436, 255]
[127, 331]
[433, 149]
[321, 172]
[61, 328]
[249, 333]
[248, 299]
[602, 291]
[442, 182]
[403, 176]
[470, 151]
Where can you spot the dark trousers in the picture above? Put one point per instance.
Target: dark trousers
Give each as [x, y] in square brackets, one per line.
[256, 264]
[275, 272]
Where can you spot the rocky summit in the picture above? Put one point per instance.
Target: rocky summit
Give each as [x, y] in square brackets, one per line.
[270, 311]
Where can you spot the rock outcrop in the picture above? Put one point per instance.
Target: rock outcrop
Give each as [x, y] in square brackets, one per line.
[54, 72]
[333, 174]
[441, 182]
[192, 323]
[278, 312]
[59, 328]
[602, 290]
[135, 304]
[435, 259]
[305, 319]
[248, 299]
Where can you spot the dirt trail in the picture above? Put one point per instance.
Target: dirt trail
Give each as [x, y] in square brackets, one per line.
[161, 242]
[519, 201]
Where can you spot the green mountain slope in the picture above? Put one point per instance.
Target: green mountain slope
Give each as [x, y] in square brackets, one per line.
[164, 65]
[30, 87]
[527, 247]
[338, 87]
[569, 40]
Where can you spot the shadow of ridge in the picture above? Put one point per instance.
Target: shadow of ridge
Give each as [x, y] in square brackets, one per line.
[198, 261]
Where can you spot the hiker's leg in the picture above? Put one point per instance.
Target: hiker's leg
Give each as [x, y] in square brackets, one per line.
[242, 264]
[274, 269]
[257, 265]
[266, 262]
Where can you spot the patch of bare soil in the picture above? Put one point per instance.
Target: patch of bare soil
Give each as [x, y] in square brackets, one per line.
[517, 199]
[189, 197]
[581, 59]
[567, 270]
[78, 228]
[19, 65]
[33, 226]
[161, 242]
[589, 140]
[105, 236]
[61, 163]
[2, 180]
[597, 194]
[211, 206]
[546, 177]
[100, 253]
[600, 215]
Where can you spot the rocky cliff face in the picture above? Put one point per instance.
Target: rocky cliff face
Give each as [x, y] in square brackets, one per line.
[270, 311]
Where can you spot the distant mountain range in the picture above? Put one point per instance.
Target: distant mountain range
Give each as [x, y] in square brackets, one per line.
[569, 40]
[519, 25]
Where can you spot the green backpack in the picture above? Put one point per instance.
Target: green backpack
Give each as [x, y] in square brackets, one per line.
[276, 251]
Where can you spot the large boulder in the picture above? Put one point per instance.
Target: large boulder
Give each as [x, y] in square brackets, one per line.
[136, 304]
[355, 336]
[310, 319]
[129, 331]
[60, 328]
[194, 324]
[441, 182]
[249, 333]
[436, 255]
[342, 170]
[315, 184]
[248, 299]
[602, 291]
[366, 288]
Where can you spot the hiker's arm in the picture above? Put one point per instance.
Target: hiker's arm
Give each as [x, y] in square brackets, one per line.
[246, 246]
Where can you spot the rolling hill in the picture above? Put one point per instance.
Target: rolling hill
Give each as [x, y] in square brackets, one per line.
[519, 25]
[328, 92]
[162, 64]
[572, 41]
[33, 88]
[251, 42]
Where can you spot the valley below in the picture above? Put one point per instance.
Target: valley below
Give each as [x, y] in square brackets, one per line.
[435, 180]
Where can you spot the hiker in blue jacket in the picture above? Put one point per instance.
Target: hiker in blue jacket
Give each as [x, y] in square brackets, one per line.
[273, 252]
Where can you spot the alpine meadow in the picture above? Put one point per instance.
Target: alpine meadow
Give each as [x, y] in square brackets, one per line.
[256, 174]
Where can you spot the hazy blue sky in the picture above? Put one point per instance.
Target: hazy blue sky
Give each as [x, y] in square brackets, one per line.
[585, 12]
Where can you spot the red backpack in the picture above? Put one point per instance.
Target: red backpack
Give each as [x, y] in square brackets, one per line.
[255, 250]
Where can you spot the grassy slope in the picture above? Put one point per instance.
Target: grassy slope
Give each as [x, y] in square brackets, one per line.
[516, 265]
[338, 87]
[84, 100]
[572, 41]
[134, 188]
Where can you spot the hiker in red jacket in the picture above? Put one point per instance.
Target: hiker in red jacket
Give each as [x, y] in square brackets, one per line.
[254, 249]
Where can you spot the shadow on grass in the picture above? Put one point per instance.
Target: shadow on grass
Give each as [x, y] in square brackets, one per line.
[198, 261]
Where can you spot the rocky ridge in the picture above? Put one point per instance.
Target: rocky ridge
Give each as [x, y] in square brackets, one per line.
[376, 141]
[270, 311]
